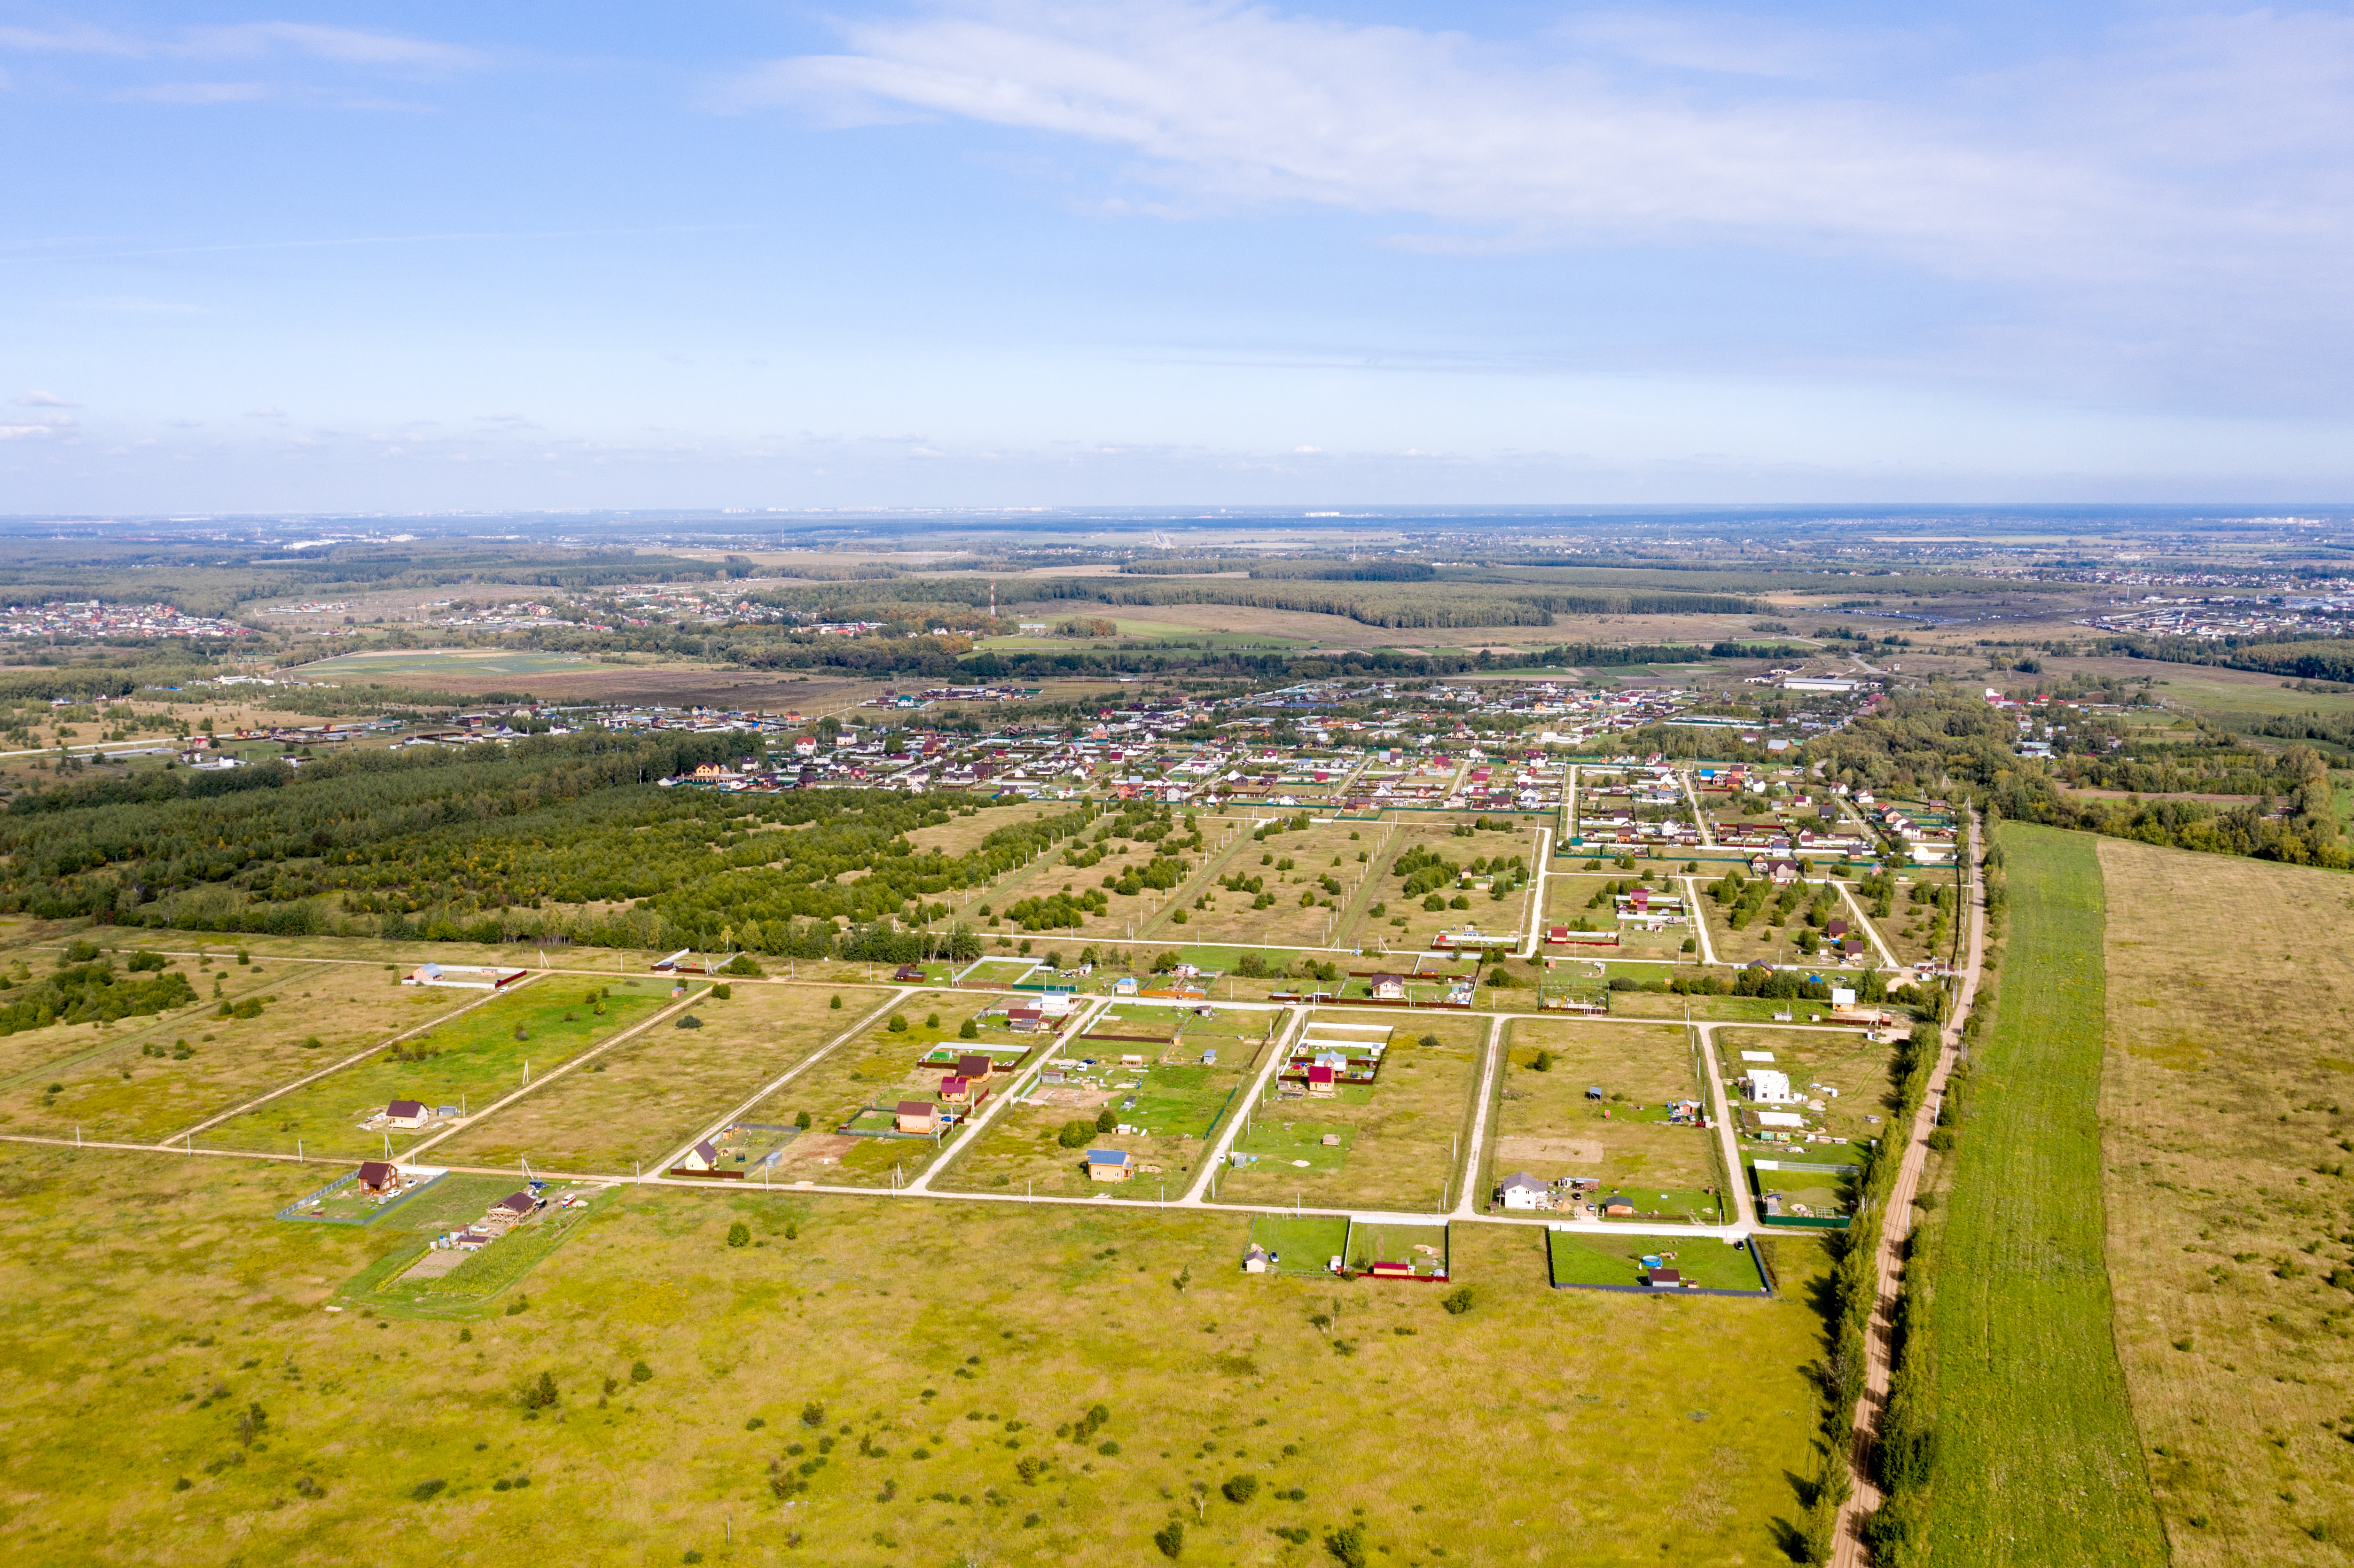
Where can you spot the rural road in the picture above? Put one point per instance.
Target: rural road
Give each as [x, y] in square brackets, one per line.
[1848, 1550]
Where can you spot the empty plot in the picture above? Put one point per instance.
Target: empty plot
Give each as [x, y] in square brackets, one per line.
[468, 1062]
[1712, 1265]
[145, 1078]
[1397, 1135]
[1665, 1170]
[640, 1102]
[1398, 920]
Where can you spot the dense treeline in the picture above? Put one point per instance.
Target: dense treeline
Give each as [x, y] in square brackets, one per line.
[2307, 658]
[538, 840]
[1942, 739]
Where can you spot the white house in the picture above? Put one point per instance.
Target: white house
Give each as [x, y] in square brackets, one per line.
[1769, 1087]
[1521, 1191]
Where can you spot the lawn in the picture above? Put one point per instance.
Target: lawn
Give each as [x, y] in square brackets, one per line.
[1582, 1259]
[1544, 1125]
[880, 1067]
[130, 1081]
[640, 1103]
[1398, 1135]
[2221, 1108]
[129, 1370]
[1304, 1246]
[2037, 1459]
[1570, 900]
[475, 1059]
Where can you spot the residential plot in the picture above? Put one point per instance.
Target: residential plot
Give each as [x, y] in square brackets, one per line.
[1429, 862]
[856, 1135]
[1754, 920]
[1615, 1104]
[1649, 913]
[1164, 1076]
[1393, 1140]
[466, 1062]
[1840, 1076]
[1586, 1259]
[145, 1078]
[638, 1104]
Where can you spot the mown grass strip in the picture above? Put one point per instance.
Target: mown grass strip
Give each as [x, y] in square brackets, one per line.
[2037, 1457]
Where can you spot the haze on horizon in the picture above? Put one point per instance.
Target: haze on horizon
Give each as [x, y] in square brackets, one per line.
[364, 257]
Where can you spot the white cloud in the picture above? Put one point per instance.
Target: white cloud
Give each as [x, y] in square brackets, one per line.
[198, 92]
[2064, 174]
[42, 400]
[247, 40]
[46, 430]
[265, 412]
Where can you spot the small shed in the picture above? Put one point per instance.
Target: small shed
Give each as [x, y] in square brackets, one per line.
[956, 1090]
[1617, 1206]
[917, 1115]
[1256, 1259]
[1023, 1020]
[1664, 1279]
[1110, 1164]
[1592, 1091]
[1321, 1080]
[907, 972]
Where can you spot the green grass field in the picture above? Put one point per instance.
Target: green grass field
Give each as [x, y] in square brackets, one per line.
[147, 1305]
[1713, 1264]
[2038, 1460]
[423, 666]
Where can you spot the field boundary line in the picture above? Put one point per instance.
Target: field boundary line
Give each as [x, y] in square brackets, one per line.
[347, 1061]
[1191, 1197]
[1699, 921]
[632, 1032]
[154, 1022]
[1848, 1550]
[1870, 928]
[898, 996]
[1743, 1210]
[1472, 1157]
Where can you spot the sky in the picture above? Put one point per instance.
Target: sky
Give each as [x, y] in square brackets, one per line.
[433, 257]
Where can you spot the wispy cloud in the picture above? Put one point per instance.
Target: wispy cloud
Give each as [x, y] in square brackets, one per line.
[42, 400]
[247, 40]
[2066, 173]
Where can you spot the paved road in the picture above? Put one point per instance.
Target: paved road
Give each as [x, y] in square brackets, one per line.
[1880, 1337]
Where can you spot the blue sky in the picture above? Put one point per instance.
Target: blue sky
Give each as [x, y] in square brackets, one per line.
[440, 257]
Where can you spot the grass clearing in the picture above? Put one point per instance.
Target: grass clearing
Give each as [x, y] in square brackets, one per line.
[639, 1103]
[2038, 1459]
[2223, 1107]
[471, 1061]
[116, 1348]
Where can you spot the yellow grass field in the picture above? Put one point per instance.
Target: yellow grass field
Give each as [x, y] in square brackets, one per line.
[639, 1103]
[2227, 1101]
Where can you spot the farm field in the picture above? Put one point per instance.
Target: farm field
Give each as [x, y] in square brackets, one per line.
[469, 1061]
[2232, 1336]
[1397, 1134]
[127, 1081]
[880, 1067]
[638, 1104]
[2037, 1459]
[1701, 1413]
[1179, 1102]
[429, 666]
[1544, 1123]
